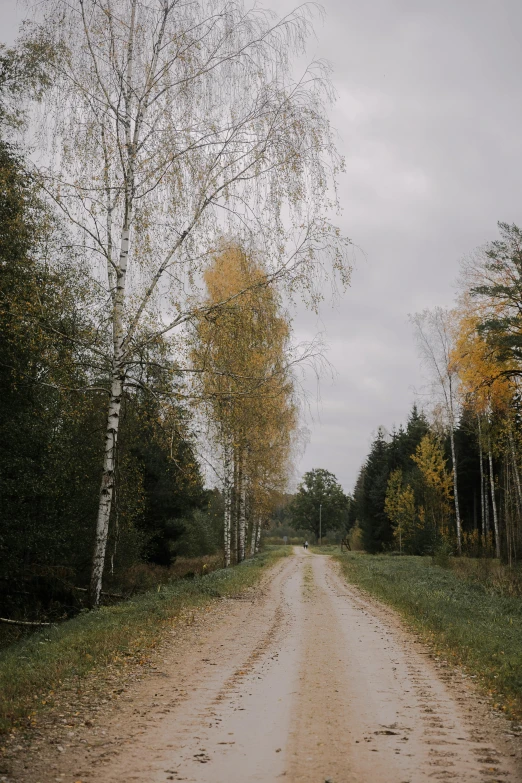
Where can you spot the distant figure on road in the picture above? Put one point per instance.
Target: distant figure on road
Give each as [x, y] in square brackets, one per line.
[305, 545]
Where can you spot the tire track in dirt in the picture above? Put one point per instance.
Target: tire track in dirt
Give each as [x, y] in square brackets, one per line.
[306, 681]
[188, 670]
[392, 716]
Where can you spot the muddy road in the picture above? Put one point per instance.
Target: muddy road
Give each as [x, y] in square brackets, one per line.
[308, 681]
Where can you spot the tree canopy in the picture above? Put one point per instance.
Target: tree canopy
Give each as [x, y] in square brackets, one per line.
[319, 493]
[175, 154]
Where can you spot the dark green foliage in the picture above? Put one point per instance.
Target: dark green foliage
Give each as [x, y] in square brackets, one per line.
[386, 455]
[468, 466]
[318, 493]
[39, 427]
[375, 525]
[504, 261]
[408, 440]
[52, 417]
[282, 512]
[202, 535]
[171, 482]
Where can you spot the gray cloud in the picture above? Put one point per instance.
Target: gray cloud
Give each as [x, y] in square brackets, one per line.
[429, 117]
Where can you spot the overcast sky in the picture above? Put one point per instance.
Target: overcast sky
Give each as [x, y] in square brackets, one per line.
[430, 118]
[430, 121]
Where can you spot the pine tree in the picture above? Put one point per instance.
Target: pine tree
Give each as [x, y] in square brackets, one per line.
[377, 531]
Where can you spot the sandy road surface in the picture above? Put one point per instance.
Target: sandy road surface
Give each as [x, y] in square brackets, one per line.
[309, 681]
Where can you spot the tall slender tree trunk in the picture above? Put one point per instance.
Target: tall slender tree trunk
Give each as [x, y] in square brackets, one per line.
[486, 500]
[508, 506]
[258, 537]
[242, 521]
[482, 498]
[253, 536]
[227, 493]
[515, 468]
[493, 502]
[113, 422]
[119, 276]
[455, 490]
[106, 489]
[236, 505]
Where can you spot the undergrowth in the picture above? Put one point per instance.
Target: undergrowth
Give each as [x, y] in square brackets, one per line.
[493, 575]
[138, 578]
[31, 670]
[464, 620]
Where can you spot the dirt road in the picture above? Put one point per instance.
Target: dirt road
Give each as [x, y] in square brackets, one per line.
[308, 681]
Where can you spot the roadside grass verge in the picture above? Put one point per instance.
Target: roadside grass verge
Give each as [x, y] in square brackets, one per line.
[493, 575]
[33, 669]
[464, 621]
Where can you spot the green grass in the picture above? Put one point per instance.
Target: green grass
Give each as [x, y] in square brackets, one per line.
[495, 576]
[464, 621]
[32, 669]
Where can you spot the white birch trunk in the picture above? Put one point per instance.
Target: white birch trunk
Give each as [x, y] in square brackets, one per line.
[227, 492]
[235, 507]
[258, 537]
[106, 490]
[482, 498]
[112, 426]
[455, 490]
[494, 503]
[241, 518]
[253, 538]
[118, 336]
[515, 469]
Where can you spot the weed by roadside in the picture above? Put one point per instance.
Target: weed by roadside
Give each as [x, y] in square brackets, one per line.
[493, 575]
[463, 620]
[31, 670]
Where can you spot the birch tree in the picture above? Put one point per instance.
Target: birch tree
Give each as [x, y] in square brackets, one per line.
[274, 417]
[433, 331]
[243, 382]
[170, 123]
[490, 392]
